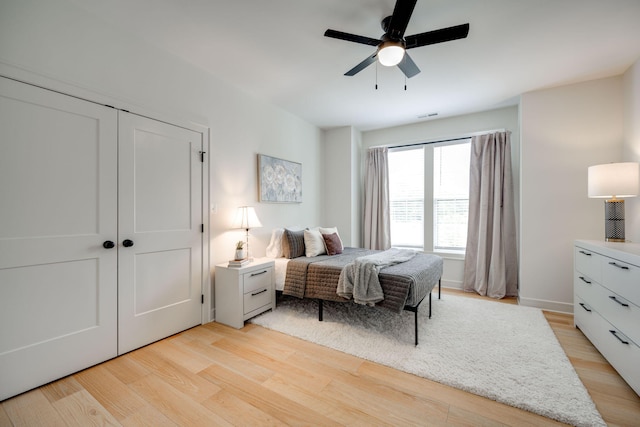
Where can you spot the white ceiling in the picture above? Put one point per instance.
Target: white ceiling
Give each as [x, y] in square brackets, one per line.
[275, 50]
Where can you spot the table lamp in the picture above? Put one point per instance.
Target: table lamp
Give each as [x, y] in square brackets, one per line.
[246, 218]
[613, 181]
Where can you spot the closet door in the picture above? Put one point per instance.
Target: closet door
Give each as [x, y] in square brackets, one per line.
[160, 239]
[58, 205]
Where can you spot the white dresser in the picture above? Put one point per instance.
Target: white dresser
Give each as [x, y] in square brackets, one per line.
[607, 302]
[244, 292]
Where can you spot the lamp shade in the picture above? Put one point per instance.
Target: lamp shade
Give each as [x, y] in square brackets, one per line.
[614, 180]
[390, 53]
[246, 218]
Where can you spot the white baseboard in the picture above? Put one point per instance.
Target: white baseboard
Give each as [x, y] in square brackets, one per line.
[560, 307]
[451, 284]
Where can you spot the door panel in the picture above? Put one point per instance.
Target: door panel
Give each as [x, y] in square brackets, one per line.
[58, 204]
[160, 198]
[162, 279]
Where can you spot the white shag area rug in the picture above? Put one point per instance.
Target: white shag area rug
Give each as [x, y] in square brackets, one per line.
[507, 353]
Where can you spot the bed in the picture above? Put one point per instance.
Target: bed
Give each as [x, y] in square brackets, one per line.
[306, 270]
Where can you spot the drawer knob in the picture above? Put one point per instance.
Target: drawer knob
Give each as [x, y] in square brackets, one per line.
[613, 297]
[622, 267]
[615, 334]
[585, 280]
[585, 253]
[258, 293]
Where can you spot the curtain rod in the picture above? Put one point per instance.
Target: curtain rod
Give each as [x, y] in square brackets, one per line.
[436, 141]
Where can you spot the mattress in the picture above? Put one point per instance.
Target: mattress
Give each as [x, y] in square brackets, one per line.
[280, 272]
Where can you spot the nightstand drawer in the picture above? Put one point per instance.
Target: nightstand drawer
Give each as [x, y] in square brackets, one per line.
[256, 299]
[257, 279]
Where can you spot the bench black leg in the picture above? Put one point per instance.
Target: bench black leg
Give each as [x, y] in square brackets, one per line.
[416, 321]
[439, 287]
[320, 310]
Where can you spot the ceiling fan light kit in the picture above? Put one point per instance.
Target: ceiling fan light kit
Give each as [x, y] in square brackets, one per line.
[390, 53]
[392, 46]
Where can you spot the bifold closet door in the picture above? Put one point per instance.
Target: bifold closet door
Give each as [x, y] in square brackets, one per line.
[160, 237]
[58, 213]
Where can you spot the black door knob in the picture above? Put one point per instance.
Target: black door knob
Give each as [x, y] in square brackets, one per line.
[127, 243]
[108, 244]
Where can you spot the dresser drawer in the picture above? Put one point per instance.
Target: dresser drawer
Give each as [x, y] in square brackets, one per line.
[618, 311]
[257, 298]
[583, 287]
[622, 278]
[617, 348]
[588, 263]
[257, 279]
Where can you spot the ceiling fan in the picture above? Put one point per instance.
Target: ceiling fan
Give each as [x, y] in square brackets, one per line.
[393, 44]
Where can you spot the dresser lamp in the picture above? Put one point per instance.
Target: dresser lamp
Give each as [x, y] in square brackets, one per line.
[613, 181]
[246, 219]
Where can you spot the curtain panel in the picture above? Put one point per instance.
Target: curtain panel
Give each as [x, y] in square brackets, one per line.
[377, 215]
[491, 264]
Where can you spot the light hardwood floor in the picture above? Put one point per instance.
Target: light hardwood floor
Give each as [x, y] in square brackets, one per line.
[216, 375]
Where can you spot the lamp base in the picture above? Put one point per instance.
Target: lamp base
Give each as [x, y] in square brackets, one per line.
[614, 220]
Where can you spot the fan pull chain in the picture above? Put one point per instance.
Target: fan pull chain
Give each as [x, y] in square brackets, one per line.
[376, 75]
[405, 82]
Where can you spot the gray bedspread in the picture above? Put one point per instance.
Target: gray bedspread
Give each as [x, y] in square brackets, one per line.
[403, 284]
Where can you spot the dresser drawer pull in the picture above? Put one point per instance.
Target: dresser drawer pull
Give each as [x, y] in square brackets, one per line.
[585, 280]
[258, 293]
[618, 301]
[585, 307]
[585, 253]
[257, 274]
[615, 334]
[623, 267]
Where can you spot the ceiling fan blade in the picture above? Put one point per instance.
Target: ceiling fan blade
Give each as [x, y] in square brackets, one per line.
[361, 66]
[437, 36]
[352, 38]
[408, 67]
[400, 18]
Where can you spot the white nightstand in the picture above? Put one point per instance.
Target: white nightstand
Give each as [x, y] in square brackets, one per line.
[242, 293]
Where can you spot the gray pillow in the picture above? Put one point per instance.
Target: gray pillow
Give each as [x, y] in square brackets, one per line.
[293, 243]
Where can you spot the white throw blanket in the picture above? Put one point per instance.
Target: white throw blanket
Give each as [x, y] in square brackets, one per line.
[359, 279]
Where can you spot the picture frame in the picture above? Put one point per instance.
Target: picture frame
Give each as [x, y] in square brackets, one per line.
[279, 180]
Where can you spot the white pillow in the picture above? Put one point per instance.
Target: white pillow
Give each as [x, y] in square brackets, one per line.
[314, 243]
[274, 250]
[328, 230]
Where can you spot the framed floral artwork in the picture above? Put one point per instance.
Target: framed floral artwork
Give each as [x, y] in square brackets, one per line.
[279, 181]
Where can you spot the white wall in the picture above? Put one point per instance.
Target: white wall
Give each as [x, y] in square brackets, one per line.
[57, 45]
[631, 146]
[503, 118]
[563, 131]
[341, 193]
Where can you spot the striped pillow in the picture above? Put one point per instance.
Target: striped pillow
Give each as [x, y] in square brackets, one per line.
[293, 243]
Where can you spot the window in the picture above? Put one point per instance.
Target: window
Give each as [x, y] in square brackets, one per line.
[429, 196]
[450, 196]
[406, 197]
